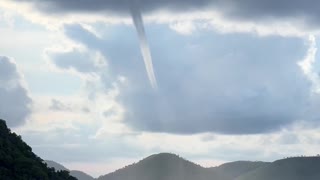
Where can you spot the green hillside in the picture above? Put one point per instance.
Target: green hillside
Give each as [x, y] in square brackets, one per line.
[18, 162]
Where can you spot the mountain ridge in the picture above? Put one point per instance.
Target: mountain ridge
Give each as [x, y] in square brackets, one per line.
[17, 161]
[295, 168]
[168, 166]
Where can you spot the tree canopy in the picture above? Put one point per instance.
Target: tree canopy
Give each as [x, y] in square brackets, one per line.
[17, 161]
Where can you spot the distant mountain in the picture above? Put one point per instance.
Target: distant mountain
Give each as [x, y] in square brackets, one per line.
[232, 170]
[167, 166]
[78, 174]
[18, 162]
[162, 166]
[55, 165]
[299, 168]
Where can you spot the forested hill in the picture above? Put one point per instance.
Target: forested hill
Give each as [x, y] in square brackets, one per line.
[18, 162]
[232, 170]
[166, 166]
[297, 168]
[162, 166]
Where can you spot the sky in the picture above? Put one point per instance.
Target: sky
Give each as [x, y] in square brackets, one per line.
[99, 84]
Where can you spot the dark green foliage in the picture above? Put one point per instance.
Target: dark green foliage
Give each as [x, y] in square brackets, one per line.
[17, 161]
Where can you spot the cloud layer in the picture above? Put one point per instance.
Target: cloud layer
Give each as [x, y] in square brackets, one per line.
[15, 101]
[304, 12]
[232, 84]
[115, 6]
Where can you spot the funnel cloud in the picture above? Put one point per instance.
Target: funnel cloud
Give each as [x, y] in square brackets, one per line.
[144, 45]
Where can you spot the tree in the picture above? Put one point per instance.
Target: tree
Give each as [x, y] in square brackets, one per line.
[17, 161]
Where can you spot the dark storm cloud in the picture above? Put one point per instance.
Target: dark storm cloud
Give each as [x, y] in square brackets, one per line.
[307, 10]
[232, 84]
[14, 99]
[115, 6]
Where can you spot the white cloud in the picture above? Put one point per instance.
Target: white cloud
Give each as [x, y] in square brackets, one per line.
[15, 103]
[184, 28]
[308, 62]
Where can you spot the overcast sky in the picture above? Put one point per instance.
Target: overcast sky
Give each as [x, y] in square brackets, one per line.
[228, 80]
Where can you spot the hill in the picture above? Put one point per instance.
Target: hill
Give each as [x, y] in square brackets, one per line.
[232, 170]
[167, 166]
[17, 161]
[162, 166]
[78, 174]
[299, 168]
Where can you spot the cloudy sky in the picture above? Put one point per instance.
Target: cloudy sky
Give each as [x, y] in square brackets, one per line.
[94, 86]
